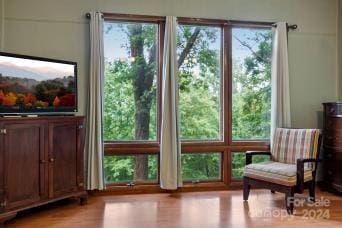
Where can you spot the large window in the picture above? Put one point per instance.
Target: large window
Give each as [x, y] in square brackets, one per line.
[130, 100]
[251, 68]
[224, 102]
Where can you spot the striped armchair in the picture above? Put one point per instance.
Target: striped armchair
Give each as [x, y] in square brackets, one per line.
[292, 166]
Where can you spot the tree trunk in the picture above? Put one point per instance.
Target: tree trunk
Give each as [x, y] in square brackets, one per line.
[142, 83]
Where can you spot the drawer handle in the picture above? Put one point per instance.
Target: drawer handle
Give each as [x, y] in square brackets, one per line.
[3, 204]
[333, 138]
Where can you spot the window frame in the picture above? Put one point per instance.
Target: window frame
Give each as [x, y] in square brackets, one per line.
[226, 146]
[224, 83]
[160, 22]
[251, 25]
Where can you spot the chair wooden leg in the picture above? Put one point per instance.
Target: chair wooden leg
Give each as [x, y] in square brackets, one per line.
[246, 188]
[289, 198]
[312, 191]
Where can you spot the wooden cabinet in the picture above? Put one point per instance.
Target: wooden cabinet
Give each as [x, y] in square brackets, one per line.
[332, 145]
[41, 160]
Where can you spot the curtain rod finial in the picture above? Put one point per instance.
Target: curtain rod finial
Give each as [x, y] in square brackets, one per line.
[294, 27]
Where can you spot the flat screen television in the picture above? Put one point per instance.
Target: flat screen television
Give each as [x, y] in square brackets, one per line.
[38, 86]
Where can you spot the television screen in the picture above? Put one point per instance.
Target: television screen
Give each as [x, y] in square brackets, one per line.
[34, 85]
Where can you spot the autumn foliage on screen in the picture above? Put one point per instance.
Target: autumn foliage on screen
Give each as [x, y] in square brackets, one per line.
[51, 93]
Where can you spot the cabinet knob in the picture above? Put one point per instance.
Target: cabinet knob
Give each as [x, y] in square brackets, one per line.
[3, 204]
[80, 184]
[51, 160]
[42, 161]
[331, 110]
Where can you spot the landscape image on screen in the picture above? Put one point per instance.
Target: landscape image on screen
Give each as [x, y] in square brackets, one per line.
[28, 85]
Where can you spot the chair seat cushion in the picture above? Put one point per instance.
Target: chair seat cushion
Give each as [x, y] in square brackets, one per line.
[276, 172]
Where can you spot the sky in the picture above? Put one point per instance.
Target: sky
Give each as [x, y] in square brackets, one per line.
[36, 69]
[115, 40]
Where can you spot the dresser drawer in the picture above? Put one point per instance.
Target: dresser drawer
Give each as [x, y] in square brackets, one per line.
[333, 109]
[333, 166]
[332, 139]
[333, 123]
[331, 154]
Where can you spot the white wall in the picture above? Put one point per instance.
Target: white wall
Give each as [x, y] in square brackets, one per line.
[2, 15]
[339, 37]
[58, 29]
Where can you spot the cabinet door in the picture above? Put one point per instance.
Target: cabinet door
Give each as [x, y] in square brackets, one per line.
[62, 158]
[23, 160]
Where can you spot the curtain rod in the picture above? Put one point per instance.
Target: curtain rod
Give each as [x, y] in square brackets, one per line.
[293, 27]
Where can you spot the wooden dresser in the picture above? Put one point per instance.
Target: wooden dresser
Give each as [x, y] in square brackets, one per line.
[41, 161]
[332, 145]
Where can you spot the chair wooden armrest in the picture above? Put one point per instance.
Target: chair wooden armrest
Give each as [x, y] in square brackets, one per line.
[250, 154]
[300, 170]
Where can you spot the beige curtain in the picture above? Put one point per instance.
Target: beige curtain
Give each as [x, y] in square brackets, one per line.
[94, 145]
[170, 152]
[280, 106]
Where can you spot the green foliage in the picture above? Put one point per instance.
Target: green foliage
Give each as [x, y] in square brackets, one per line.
[252, 89]
[201, 166]
[118, 102]
[199, 84]
[199, 115]
[121, 168]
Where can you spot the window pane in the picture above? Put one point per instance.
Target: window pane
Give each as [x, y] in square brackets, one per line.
[131, 168]
[130, 81]
[199, 62]
[239, 163]
[251, 53]
[201, 166]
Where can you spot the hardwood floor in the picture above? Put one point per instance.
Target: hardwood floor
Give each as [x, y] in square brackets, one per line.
[198, 209]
